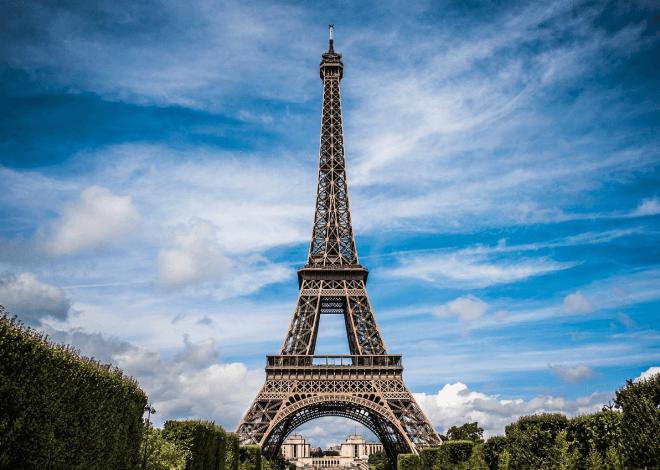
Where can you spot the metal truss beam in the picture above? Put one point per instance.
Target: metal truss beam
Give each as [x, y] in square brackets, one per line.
[366, 386]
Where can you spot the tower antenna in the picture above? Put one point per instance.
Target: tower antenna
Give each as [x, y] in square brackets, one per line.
[332, 49]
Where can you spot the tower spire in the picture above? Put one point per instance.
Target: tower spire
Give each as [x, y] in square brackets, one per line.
[332, 243]
[331, 50]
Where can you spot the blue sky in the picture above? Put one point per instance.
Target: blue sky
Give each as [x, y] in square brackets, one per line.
[158, 168]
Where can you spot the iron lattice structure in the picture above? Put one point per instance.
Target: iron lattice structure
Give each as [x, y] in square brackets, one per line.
[365, 386]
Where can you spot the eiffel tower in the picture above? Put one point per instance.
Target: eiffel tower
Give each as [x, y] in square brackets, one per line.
[365, 386]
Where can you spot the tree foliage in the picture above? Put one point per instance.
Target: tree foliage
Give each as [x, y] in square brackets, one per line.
[250, 458]
[623, 436]
[379, 461]
[466, 432]
[640, 422]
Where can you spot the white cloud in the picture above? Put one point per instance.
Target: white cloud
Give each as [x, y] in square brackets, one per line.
[455, 126]
[576, 303]
[196, 257]
[474, 270]
[252, 200]
[649, 206]
[245, 115]
[191, 383]
[98, 218]
[467, 308]
[208, 55]
[24, 295]
[626, 320]
[651, 371]
[573, 375]
[455, 405]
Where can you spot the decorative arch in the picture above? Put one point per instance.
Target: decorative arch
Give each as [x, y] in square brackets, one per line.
[367, 412]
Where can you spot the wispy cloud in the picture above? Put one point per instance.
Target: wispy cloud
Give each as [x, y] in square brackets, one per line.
[471, 142]
[466, 269]
[193, 56]
[650, 206]
[573, 375]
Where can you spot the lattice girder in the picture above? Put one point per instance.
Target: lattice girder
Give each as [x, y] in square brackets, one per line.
[332, 242]
[338, 296]
[366, 386]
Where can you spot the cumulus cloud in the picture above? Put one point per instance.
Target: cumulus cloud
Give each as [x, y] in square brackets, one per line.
[456, 404]
[651, 371]
[576, 303]
[97, 218]
[195, 257]
[573, 375]
[32, 300]
[467, 308]
[193, 383]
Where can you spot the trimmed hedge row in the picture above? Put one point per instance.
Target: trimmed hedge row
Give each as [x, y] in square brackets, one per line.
[532, 439]
[232, 452]
[59, 409]
[203, 442]
[450, 455]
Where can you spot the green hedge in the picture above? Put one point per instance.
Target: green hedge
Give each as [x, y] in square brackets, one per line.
[434, 458]
[640, 423]
[162, 454]
[203, 442]
[458, 451]
[231, 454]
[250, 457]
[532, 439]
[408, 462]
[59, 409]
